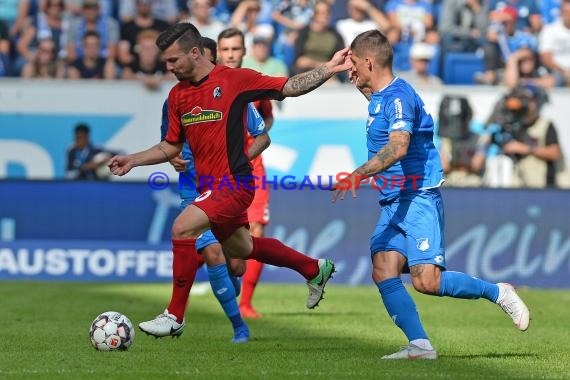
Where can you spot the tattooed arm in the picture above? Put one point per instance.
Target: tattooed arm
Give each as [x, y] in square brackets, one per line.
[394, 151]
[306, 82]
[260, 143]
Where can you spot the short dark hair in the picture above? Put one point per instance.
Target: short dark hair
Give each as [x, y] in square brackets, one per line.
[82, 127]
[184, 33]
[231, 32]
[211, 45]
[376, 43]
[91, 33]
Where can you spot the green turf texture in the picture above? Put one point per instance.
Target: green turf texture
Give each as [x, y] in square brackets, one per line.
[44, 335]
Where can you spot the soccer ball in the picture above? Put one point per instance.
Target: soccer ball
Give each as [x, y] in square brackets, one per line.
[111, 331]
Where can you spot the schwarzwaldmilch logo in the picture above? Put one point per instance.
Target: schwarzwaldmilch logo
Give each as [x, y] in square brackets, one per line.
[198, 115]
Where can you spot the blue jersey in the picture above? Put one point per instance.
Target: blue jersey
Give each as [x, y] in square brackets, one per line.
[255, 127]
[398, 107]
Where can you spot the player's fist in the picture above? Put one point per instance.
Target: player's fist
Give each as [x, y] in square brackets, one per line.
[179, 164]
[120, 165]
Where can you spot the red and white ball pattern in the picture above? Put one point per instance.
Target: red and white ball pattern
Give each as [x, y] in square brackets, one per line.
[111, 331]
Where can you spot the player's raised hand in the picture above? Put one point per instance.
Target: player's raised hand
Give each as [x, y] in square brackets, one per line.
[120, 165]
[340, 61]
[179, 164]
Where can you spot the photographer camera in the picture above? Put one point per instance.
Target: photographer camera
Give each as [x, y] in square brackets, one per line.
[459, 147]
[528, 141]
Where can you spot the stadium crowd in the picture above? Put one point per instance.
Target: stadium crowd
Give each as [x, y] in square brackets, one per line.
[521, 44]
[112, 39]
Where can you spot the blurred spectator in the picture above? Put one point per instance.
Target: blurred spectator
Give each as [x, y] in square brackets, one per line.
[84, 160]
[147, 65]
[318, 41]
[461, 152]
[549, 10]
[503, 39]
[92, 20]
[555, 46]
[340, 11]
[463, 25]
[14, 13]
[528, 141]
[290, 16]
[108, 8]
[523, 68]
[421, 55]
[363, 16]
[246, 18]
[411, 20]
[4, 50]
[165, 10]
[44, 63]
[202, 16]
[527, 13]
[143, 20]
[92, 65]
[260, 59]
[50, 22]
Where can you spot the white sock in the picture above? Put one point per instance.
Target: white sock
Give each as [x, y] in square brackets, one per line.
[422, 343]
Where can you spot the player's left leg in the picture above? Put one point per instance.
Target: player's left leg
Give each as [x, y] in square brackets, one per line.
[426, 260]
[222, 286]
[251, 277]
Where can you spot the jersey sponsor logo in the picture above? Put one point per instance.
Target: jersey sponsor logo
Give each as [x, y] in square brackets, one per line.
[198, 115]
[398, 108]
[399, 124]
[217, 93]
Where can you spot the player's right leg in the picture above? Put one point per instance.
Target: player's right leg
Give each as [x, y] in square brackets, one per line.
[186, 228]
[252, 274]
[387, 267]
[239, 243]
[222, 286]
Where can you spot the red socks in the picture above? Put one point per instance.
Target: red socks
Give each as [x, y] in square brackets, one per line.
[250, 280]
[184, 267]
[272, 251]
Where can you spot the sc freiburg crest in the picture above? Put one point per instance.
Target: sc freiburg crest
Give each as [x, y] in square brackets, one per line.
[217, 93]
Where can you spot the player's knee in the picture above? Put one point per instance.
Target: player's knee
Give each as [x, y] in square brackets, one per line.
[425, 285]
[237, 267]
[180, 231]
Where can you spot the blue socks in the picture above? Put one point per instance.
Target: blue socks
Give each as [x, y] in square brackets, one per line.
[224, 291]
[461, 285]
[236, 282]
[401, 308]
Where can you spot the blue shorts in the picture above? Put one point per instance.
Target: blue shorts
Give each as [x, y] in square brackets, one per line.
[207, 238]
[412, 225]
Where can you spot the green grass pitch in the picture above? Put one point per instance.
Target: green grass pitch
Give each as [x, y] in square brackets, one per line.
[44, 335]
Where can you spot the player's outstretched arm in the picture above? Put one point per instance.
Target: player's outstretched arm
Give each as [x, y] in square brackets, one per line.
[161, 152]
[306, 82]
[260, 143]
[393, 151]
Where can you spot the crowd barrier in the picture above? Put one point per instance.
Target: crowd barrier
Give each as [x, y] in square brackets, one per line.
[110, 231]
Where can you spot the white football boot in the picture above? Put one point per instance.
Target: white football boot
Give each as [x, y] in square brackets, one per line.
[412, 352]
[164, 324]
[513, 305]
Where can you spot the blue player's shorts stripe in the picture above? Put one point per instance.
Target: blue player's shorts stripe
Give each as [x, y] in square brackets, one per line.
[413, 225]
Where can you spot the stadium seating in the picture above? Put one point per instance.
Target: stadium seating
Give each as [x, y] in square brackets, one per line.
[460, 68]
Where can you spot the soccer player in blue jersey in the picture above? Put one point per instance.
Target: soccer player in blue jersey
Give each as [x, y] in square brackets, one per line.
[225, 286]
[406, 168]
